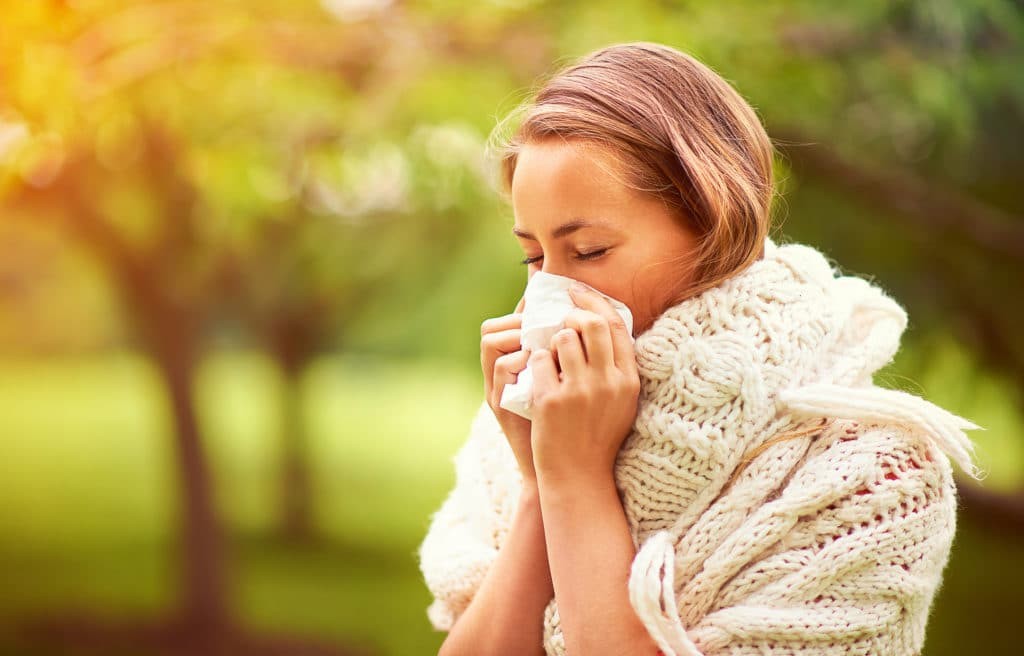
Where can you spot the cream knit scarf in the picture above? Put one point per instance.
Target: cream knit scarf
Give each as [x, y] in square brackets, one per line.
[829, 543]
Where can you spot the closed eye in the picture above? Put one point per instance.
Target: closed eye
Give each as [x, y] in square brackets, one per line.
[592, 255]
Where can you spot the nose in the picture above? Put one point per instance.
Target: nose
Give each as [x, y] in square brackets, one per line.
[568, 271]
[556, 269]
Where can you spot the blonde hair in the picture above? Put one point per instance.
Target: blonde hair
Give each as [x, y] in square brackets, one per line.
[791, 434]
[682, 133]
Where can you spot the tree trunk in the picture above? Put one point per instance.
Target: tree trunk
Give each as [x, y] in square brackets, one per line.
[296, 486]
[291, 336]
[173, 341]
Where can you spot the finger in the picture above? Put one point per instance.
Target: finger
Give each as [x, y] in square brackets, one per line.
[545, 375]
[504, 322]
[566, 344]
[494, 345]
[596, 337]
[622, 340]
[521, 305]
[506, 372]
[508, 366]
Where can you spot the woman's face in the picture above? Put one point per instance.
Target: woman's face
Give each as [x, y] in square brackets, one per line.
[573, 217]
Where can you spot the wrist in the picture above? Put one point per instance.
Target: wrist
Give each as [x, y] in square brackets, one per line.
[529, 495]
[560, 484]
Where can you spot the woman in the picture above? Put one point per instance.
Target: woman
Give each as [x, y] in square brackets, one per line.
[732, 481]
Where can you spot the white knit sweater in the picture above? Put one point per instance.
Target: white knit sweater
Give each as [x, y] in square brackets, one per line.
[832, 543]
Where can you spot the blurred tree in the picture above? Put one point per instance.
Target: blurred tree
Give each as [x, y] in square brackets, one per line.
[104, 136]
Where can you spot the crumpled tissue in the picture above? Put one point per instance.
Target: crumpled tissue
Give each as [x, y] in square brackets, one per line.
[546, 302]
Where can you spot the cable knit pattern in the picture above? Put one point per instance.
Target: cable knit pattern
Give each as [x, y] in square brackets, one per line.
[829, 543]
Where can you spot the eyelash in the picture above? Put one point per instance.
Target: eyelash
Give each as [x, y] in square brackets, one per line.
[579, 256]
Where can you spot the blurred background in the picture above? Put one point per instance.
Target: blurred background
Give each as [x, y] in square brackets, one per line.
[246, 248]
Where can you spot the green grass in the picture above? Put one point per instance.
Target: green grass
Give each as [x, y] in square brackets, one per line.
[86, 459]
[87, 489]
[87, 496]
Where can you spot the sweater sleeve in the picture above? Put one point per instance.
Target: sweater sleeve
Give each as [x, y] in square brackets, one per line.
[844, 558]
[464, 534]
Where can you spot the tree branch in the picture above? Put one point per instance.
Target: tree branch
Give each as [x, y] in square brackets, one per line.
[927, 205]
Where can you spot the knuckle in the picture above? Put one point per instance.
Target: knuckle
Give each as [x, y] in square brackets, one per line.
[564, 336]
[506, 363]
[550, 402]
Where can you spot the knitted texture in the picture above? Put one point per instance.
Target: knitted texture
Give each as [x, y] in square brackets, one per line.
[833, 542]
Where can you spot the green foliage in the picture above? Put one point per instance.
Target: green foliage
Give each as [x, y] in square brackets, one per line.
[332, 159]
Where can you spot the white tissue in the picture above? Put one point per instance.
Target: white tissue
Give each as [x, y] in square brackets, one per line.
[546, 302]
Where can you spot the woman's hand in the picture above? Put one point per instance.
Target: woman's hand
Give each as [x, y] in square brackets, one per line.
[586, 391]
[502, 358]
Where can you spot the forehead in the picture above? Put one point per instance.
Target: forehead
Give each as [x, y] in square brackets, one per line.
[575, 176]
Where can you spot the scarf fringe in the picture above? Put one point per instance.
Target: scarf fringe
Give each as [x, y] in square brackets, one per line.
[882, 404]
[651, 589]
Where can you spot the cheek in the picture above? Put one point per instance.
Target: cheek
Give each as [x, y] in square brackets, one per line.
[654, 287]
[622, 291]
[615, 285]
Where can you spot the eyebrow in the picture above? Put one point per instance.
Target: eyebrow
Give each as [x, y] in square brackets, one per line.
[562, 230]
